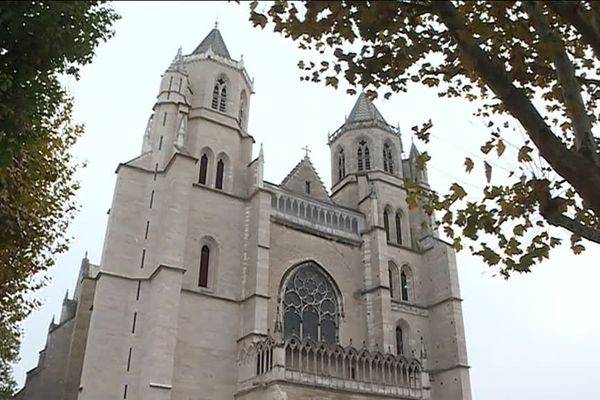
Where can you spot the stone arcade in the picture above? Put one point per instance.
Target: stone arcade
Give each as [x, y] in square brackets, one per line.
[215, 284]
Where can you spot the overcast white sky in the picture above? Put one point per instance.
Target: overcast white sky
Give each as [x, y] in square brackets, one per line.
[534, 337]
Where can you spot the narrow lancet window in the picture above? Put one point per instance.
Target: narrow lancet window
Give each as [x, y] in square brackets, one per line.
[399, 341]
[404, 285]
[215, 98]
[204, 263]
[203, 169]
[398, 228]
[386, 224]
[219, 180]
[223, 99]
[341, 165]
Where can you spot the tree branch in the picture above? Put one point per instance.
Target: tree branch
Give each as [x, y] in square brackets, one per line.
[565, 73]
[584, 22]
[572, 225]
[552, 209]
[579, 171]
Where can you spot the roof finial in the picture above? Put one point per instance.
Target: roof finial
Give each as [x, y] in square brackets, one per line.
[85, 254]
[217, 22]
[306, 151]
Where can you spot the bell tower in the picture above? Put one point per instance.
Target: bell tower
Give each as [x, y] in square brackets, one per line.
[174, 238]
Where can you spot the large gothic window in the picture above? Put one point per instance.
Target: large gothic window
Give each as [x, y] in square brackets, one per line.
[388, 159]
[310, 305]
[219, 97]
[364, 158]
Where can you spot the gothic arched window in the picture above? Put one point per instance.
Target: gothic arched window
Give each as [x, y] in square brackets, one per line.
[398, 228]
[223, 99]
[310, 305]
[386, 224]
[404, 285]
[204, 263]
[364, 158]
[219, 97]
[219, 179]
[388, 158]
[399, 341]
[394, 279]
[242, 113]
[341, 164]
[203, 169]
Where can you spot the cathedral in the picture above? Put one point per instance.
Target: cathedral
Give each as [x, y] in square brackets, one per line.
[215, 284]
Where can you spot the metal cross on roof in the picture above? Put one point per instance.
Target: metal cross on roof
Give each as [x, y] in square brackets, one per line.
[306, 151]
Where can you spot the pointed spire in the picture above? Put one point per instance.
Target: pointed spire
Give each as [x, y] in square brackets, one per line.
[213, 41]
[364, 110]
[66, 295]
[364, 115]
[414, 152]
[261, 154]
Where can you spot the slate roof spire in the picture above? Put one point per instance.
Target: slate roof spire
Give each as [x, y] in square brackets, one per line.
[364, 115]
[365, 111]
[215, 42]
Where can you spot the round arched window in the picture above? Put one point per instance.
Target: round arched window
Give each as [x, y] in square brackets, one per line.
[310, 305]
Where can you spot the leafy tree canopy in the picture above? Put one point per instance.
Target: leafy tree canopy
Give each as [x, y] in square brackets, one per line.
[534, 63]
[39, 42]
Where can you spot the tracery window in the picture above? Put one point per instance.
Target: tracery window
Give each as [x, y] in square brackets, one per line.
[219, 99]
[364, 158]
[310, 305]
[388, 158]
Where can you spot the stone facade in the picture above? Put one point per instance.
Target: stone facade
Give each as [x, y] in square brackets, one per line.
[215, 284]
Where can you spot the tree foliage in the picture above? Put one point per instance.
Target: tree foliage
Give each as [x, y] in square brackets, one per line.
[39, 43]
[533, 64]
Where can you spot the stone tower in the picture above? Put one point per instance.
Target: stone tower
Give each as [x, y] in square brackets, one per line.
[215, 284]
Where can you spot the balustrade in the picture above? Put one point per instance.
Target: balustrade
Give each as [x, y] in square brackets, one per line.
[322, 364]
[316, 215]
